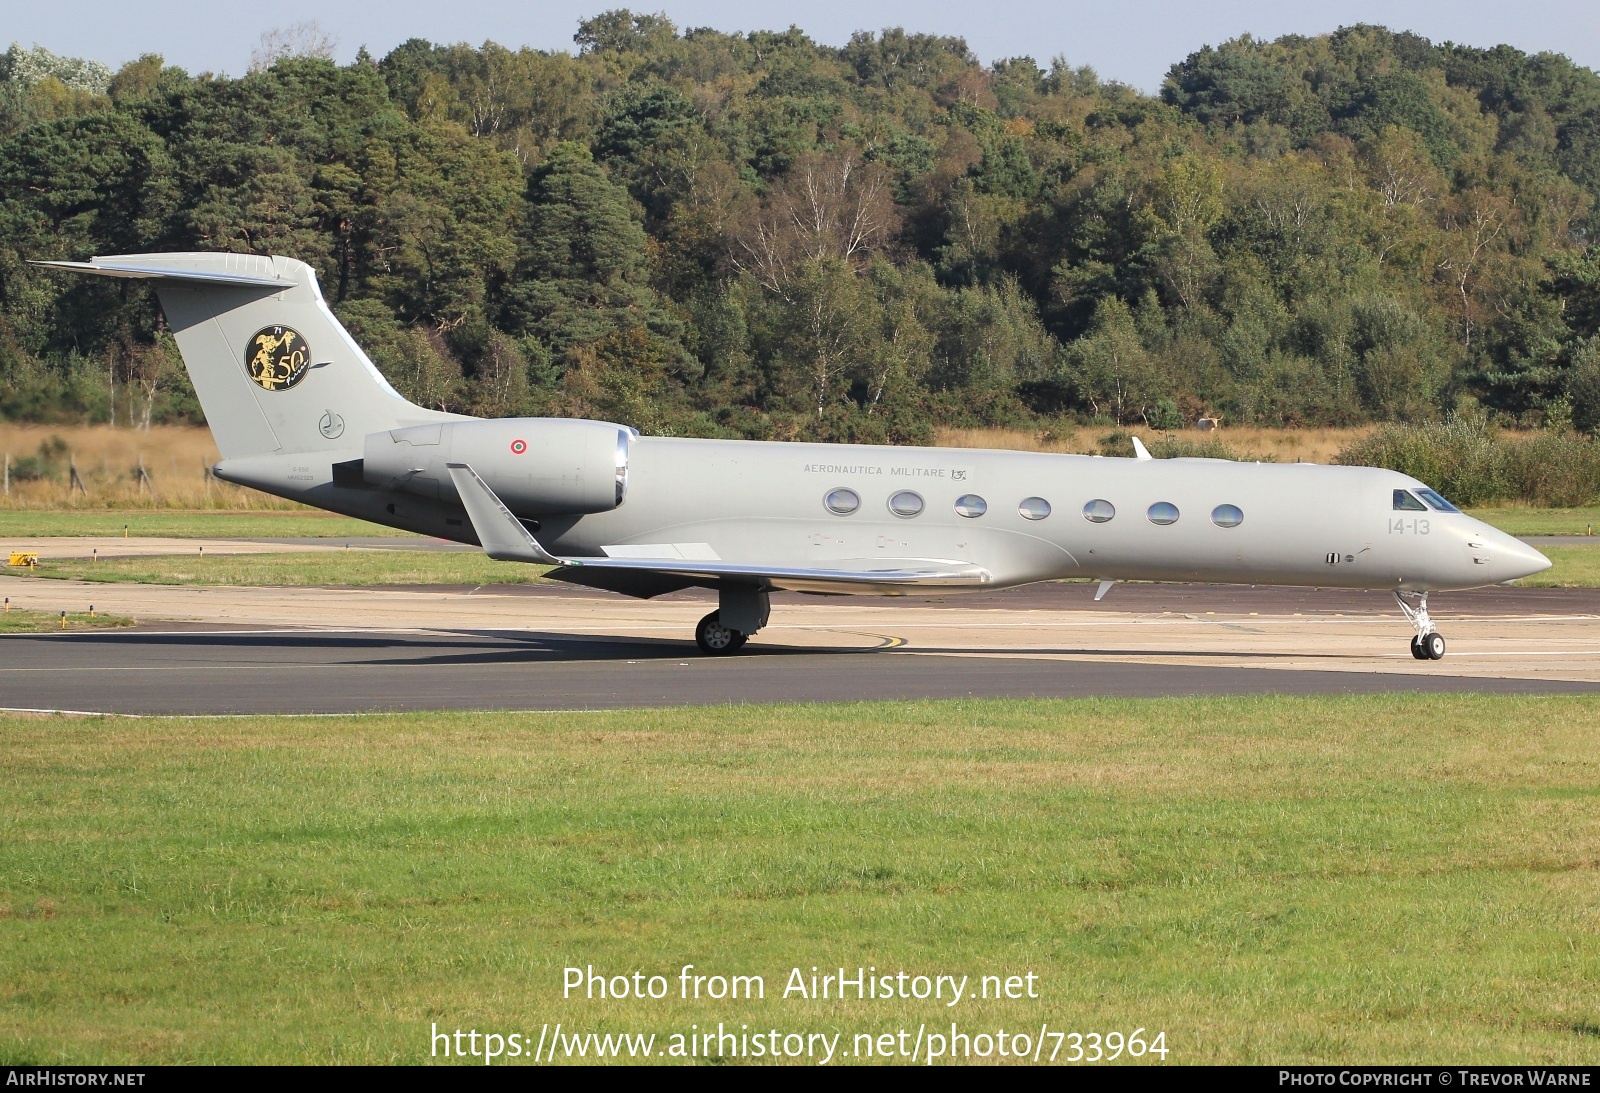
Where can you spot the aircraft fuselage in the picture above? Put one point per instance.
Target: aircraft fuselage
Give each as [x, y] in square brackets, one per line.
[1258, 523]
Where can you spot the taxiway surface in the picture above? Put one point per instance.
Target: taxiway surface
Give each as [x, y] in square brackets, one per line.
[200, 672]
[546, 647]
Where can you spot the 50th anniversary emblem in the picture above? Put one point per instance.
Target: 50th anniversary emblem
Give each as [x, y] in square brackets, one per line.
[277, 358]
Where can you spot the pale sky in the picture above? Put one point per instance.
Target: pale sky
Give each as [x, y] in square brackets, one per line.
[1134, 41]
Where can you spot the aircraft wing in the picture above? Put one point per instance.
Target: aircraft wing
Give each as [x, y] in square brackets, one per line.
[506, 539]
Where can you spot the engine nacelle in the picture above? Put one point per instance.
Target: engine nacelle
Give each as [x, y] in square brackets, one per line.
[538, 466]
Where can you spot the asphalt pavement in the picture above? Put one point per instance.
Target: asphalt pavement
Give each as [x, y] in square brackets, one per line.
[195, 671]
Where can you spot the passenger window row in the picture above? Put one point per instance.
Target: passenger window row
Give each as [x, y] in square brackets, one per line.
[906, 504]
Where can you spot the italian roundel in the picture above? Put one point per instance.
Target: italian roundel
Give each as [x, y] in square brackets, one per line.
[277, 358]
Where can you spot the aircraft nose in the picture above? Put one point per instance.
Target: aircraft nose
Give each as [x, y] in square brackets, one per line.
[1511, 558]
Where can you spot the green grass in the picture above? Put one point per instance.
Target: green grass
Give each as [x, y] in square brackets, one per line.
[1405, 878]
[1571, 567]
[16, 621]
[295, 524]
[319, 568]
[1515, 520]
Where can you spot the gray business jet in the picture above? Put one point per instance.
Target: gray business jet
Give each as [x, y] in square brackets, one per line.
[299, 411]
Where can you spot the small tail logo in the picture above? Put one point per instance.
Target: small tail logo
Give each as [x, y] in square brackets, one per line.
[277, 358]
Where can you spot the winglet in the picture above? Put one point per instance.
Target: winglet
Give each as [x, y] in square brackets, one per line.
[503, 536]
[1139, 450]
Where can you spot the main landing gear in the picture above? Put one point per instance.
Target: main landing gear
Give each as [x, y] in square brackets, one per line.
[1429, 643]
[716, 639]
[741, 611]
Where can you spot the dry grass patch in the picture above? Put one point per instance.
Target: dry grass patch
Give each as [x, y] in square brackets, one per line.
[175, 459]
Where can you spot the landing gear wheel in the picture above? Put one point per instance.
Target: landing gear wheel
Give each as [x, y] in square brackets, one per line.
[1433, 646]
[1429, 643]
[716, 639]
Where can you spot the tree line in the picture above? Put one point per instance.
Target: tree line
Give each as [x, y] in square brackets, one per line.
[755, 235]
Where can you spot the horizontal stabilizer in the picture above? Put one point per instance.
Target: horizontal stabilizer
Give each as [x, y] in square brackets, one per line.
[506, 539]
[140, 271]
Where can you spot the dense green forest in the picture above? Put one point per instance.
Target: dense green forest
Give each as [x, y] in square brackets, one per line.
[756, 235]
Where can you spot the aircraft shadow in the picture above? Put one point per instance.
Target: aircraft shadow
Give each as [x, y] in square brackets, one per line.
[483, 647]
[210, 639]
[423, 649]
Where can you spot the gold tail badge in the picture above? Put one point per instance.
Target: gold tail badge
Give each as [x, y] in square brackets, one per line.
[277, 358]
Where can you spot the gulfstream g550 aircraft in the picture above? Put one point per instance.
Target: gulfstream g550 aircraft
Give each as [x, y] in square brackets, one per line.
[299, 411]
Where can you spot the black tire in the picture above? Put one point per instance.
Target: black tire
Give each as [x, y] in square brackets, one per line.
[1417, 650]
[1433, 646]
[716, 640]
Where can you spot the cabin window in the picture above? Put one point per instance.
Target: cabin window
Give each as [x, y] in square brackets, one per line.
[1404, 502]
[1163, 512]
[1438, 503]
[1099, 511]
[971, 506]
[1227, 516]
[842, 502]
[1034, 508]
[905, 503]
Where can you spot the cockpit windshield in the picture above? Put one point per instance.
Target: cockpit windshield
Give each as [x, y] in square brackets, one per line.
[1435, 501]
[1405, 502]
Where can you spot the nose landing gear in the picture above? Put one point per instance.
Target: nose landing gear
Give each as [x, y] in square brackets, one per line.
[1430, 647]
[1429, 643]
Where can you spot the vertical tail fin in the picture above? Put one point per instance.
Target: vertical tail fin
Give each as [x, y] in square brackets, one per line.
[274, 370]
